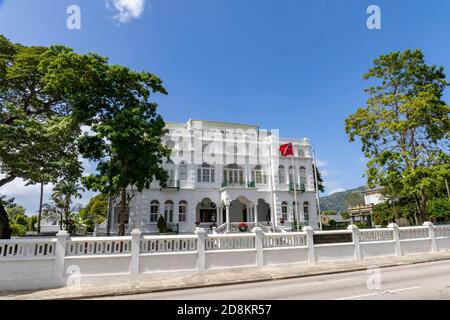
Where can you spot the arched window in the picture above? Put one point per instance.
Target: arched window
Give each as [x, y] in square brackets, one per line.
[183, 171]
[205, 173]
[302, 177]
[281, 175]
[259, 175]
[182, 211]
[170, 171]
[284, 210]
[168, 211]
[233, 175]
[154, 211]
[306, 210]
[291, 175]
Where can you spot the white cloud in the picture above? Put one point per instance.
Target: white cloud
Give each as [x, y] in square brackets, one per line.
[126, 9]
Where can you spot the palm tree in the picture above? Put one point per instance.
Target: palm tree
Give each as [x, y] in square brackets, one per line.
[63, 192]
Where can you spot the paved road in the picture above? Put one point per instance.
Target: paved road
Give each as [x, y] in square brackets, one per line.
[420, 281]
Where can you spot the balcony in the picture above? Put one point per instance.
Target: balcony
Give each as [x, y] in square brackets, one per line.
[172, 185]
[298, 187]
[233, 184]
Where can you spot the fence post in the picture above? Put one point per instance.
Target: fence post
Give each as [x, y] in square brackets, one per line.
[259, 246]
[201, 260]
[310, 243]
[355, 236]
[396, 232]
[60, 253]
[135, 251]
[430, 226]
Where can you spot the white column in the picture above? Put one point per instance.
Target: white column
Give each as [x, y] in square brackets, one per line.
[255, 211]
[201, 235]
[259, 246]
[227, 208]
[396, 232]
[60, 252]
[310, 243]
[218, 221]
[355, 235]
[135, 245]
[432, 236]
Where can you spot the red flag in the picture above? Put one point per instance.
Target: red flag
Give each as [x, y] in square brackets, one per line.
[286, 150]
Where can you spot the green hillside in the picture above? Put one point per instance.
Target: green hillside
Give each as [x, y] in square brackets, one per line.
[340, 201]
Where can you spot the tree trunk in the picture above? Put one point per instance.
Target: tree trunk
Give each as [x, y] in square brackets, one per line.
[5, 229]
[40, 208]
[123, 208]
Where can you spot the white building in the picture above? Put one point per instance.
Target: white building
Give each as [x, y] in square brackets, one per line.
[221, 174]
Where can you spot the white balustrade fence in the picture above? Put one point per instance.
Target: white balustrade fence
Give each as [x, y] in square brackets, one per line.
[98, 246]
[44, 262]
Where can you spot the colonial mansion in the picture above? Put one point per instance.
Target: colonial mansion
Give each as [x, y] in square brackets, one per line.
[222, 174]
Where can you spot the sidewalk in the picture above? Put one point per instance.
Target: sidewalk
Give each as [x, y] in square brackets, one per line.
[147, 284]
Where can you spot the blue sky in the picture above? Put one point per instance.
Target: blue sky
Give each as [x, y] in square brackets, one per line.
[293, 65]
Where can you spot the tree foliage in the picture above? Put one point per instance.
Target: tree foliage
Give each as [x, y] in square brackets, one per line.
[95, 212]
[404, 129]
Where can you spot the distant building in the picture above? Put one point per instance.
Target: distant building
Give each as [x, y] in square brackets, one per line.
[49, 225]
[326, 219]
[364, 213]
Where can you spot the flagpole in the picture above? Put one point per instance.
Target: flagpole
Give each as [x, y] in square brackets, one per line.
[317, 188]
[272, 186]
[295, 190]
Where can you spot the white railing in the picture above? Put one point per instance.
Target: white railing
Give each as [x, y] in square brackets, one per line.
[98, 246]
[376, 235]
[275, 240]
[27, 248]
[230, 241]
[442, 231]
[152, 244]
[414, 233]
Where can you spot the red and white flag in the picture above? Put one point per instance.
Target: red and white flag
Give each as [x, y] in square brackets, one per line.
[286, 150]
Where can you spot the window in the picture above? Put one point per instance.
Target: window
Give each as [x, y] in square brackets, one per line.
[168, 211]
[306, 210]
[154, 211]
[183, 171]
[205, 173]
[284, 210]
[233, 174]
[281, 175]
[182, 211]
[259, 175]
[302, 177]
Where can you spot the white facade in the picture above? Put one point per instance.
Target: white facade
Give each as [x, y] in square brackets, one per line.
[221, 174]
[373, 198]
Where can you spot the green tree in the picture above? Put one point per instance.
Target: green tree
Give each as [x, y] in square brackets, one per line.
[404, 129]
[439, 208]
[95, 211]
[127, 140]
[320, 183]
[63, 192]
[162, 224]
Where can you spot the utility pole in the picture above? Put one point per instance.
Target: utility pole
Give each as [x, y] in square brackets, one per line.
[40, 208]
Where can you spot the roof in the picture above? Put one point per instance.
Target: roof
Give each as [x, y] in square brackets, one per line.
[377, 188]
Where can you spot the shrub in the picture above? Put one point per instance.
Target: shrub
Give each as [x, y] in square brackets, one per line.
[162, 224]
[18, 230]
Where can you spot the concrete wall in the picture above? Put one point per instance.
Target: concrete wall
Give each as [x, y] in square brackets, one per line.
[53, 262]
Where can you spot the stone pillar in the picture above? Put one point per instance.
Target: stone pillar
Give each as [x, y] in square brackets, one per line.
[135, 251]
[201, 260]
[60, 253]
[430, 226]
[227, 208]
[255, 210]
[396, 232]
[310, 243]
[259, 246]
[355, 236]
[218, 216]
